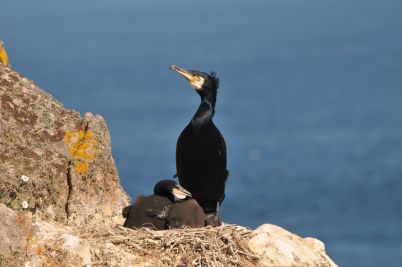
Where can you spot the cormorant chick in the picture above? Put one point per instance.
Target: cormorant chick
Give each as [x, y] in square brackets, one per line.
[138, 214]
[201, 149]
[185, 213]
[151, 211]
[160, 211]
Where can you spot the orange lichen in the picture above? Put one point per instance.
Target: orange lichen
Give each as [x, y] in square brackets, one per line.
[83, 148]
[81, 167]
[40, 250]
[3, 55]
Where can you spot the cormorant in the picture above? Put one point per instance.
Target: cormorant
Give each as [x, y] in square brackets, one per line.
[201, 148]
[169, 207]
[138, 214]
[151, 211]
[185, 213]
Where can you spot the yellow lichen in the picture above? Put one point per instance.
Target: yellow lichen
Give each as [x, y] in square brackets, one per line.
[83, 148]
[81, 167]
[3, 56]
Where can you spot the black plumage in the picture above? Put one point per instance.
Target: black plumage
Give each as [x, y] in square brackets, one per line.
[144, 212]
[185, 213]
[201, 149]
[169, 207]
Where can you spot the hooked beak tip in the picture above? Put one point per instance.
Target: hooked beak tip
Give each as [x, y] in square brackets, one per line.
[173, 67]
[183, 72]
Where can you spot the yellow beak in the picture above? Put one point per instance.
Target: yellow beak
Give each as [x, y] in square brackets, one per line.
[185, 73]
[180, 193]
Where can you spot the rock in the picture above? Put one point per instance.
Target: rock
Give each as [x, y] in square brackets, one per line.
[56, 245]
[278, 247]
[67, 158]
[61, 200]
[14, 234]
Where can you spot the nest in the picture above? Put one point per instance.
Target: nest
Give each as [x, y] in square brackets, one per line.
[220, 246]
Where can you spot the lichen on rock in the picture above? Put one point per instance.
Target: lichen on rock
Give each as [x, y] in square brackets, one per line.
[37, 140]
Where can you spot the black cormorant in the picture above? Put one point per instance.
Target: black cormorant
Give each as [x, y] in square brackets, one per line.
[151, 211]
[201, 149]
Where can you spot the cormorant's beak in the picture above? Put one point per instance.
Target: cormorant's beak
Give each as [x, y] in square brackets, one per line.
[180, 193]
[193, 77]
[185, 73]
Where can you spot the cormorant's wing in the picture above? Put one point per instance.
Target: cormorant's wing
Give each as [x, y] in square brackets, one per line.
[183, 154]
[180, 152]
[223, 155]
[160, 213]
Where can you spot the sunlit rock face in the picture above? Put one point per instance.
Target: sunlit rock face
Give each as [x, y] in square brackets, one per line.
[278, 247]
[53, 162]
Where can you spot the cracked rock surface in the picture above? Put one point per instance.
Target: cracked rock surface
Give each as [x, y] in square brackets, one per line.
[35, 173]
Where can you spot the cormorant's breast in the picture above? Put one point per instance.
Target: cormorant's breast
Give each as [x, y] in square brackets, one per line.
[201, 164]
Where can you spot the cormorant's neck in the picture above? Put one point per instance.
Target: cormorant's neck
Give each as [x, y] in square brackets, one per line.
[205, 111]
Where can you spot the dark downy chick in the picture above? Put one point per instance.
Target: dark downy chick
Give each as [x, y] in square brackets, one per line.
[167, 208]
[151, 211]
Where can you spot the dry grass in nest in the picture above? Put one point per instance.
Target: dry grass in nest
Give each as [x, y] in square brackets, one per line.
[220, 246]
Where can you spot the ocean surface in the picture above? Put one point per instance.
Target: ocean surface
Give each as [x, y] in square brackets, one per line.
[310, 102]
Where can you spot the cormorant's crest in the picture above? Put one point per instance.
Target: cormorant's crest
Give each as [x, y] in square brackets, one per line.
[214, 79]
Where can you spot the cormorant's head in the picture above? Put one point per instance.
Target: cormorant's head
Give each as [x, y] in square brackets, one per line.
[200, 81]
[171, 190]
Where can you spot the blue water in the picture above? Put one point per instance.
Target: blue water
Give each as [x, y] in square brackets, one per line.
[310, 102]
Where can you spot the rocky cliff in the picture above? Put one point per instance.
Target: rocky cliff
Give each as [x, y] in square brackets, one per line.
[61, 200]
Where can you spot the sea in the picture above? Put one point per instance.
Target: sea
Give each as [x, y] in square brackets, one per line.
[310, 102]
